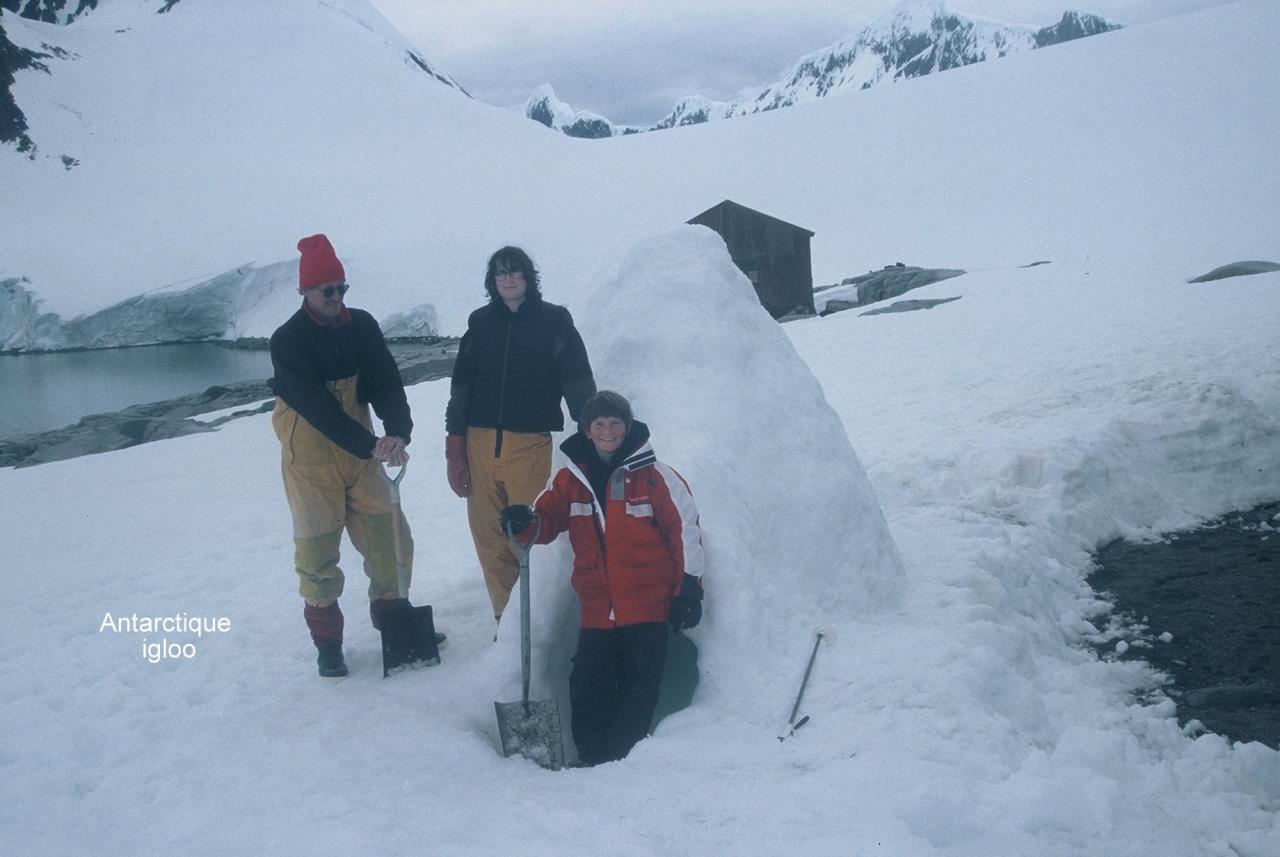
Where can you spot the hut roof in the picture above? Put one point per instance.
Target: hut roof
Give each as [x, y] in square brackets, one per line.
[739, 205]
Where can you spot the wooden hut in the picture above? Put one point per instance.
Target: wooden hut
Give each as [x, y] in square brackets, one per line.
[772, 253]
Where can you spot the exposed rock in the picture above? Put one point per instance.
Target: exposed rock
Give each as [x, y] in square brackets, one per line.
[1073, 25]
[875, 286]
[895, 281]
[13, 122]
[51, 11]
[545, 108]
[1237, 269]
[909, 306]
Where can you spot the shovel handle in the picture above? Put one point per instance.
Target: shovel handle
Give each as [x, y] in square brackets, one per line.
[526, 642]
[396, 480]
[397, 534]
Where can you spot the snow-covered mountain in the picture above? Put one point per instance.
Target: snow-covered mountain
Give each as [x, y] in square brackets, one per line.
[916, 38]
[544, 107]
[178, 176]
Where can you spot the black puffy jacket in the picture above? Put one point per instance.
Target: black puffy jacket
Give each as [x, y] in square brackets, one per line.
[513, 368]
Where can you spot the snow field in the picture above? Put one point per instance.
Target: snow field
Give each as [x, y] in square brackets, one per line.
[957, 716]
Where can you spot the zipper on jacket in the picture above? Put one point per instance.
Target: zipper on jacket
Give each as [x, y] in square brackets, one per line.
[502, 387]
[597, 519]
[604, 561]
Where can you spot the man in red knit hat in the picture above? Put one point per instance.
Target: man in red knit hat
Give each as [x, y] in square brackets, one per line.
[331, 363]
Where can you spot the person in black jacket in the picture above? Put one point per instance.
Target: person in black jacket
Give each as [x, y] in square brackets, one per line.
[331, 363]
[519, 357]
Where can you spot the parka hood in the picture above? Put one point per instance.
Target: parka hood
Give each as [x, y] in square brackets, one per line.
[634, 452]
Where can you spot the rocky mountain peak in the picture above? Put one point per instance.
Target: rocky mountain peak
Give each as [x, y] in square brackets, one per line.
[914, 38]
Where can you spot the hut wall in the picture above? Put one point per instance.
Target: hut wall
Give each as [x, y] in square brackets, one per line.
[773, 254]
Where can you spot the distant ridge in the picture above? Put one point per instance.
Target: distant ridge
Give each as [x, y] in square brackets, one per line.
[912, 40]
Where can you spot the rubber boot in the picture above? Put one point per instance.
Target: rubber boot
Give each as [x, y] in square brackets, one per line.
[325, 624]
[329, 660]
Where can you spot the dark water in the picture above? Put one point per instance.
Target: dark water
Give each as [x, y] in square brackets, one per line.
[1216, 590]
[42, 392]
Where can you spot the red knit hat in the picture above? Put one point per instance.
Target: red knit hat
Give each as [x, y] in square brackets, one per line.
[319, 264]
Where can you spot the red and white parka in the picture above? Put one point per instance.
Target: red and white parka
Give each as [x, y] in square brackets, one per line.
[632, 547]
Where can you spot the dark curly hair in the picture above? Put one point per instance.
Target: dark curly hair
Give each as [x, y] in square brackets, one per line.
[512, 259]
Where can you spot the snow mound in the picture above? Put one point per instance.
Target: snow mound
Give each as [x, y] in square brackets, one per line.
[794, 535]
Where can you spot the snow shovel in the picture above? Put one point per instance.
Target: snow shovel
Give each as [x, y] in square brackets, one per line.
[408, 632]
[531, 729]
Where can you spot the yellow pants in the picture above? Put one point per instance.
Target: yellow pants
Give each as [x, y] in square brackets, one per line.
[516, 476]
[330, 489]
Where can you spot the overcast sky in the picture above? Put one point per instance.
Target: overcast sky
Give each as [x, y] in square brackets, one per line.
[630, 60]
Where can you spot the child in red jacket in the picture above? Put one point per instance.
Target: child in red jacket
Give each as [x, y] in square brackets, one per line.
[638, 563]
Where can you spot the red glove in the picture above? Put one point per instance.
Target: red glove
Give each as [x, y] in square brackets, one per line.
[455, 454]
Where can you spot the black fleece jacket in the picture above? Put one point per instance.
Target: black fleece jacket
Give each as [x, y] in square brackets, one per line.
[306, 354]
[514, 367]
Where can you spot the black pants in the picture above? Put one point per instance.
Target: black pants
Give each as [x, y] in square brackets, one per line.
[613, 688]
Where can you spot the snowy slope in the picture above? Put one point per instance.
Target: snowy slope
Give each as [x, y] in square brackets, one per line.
[208, 136]
[1070, 154]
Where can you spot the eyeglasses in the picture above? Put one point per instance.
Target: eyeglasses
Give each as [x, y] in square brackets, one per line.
[340, 288]
[508, 275]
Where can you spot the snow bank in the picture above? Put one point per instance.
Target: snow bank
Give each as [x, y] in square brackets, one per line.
[226, 306]
[1052, 410]
[22, 325]
[249, 300]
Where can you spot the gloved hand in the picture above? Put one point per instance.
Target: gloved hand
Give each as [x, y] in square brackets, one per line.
[686, 608]
[455, 454]
[515, 519]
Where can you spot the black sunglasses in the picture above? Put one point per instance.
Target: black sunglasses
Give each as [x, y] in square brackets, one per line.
[341, 289]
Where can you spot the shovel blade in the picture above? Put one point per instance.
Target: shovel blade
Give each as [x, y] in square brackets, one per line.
[408, 638]
[532, 729]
